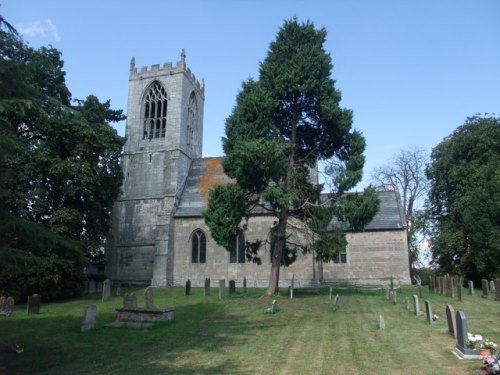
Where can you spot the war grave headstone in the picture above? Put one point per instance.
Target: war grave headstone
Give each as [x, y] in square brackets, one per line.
[232, 287]
[484, 285]
[497, 288]
[33, 304]
[206, 289]
[461, 346]
[89, 317]
[492, 286]
[187, 290]
[451, 318]
[381, 323]
[6, 305]
[416, 306]
[428, 311]
[106, 290]
[471, 287]
[222, 287]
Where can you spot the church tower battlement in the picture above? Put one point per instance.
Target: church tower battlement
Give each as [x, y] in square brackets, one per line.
[164, 132]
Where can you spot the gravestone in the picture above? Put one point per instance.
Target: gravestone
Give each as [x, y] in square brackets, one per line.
[130, 301]
[492, 287]
[92, 286]
[206, 289]
[33, 305]
[416, 306]
[148, 298]
[6, 305]
[118, 291]
[89, 315]
[381, 323]
[244, 285]
[451, 318]
[99, 287]
[232, 287]
[471, 287]
[459, 289]
[331, 291]
[292, 282]
[461, 346]
[440, 284]
[431, 284]
[407, 300]
[187, 290]
[274, 306]
[222, 287]
[484, 285]
[336, 301]
[428, 311]
[448, 286]
[106, 290]
[497, 288]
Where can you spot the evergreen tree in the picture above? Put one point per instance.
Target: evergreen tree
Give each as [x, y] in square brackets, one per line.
[282, 125]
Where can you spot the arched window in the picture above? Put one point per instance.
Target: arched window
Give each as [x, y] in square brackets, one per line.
[237, 251]
[199, 247]
[192, 121]
[155, 112]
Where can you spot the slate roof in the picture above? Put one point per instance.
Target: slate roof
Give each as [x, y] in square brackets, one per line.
[207, 172]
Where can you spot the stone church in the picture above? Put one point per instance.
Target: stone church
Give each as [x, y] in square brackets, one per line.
[158, 235]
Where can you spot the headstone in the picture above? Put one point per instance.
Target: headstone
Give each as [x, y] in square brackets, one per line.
[471, 287]
[6, 305]
[492, 287]
[118, 291]
[428, 311]
[381, 323]
[206, 289]
[92, 286]
[130, 301]
[274, 306]
[148, 298]
[292, 282]
[407, 300]
[461, 346]
[451, 318]
[232, 287]
[484, 284]
[336, 301]
[440, 284]
[331, 291]
[459, 289]
[187, 290]
[106, 290]
[497, 288]
[89, 314]
[244, 285]
[33, 305]
[448, 286]
[99, 287]
[416, 306]
[222, 287]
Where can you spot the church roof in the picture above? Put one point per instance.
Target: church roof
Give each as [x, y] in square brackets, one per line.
[204, 173]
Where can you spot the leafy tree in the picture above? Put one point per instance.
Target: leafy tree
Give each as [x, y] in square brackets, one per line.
[464, 199]
[60, 172]
[406, 173]
[281, 126]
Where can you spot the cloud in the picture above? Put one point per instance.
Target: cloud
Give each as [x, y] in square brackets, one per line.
[43, 29]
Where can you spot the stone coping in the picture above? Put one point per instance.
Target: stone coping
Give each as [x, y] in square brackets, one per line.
[142, 310]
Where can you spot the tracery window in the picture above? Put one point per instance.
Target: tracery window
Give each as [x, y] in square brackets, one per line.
[199, 247]
[155, 112]
[192, 121]
[237, 251]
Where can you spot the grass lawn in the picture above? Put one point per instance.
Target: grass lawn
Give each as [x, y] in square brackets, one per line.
[235, 336]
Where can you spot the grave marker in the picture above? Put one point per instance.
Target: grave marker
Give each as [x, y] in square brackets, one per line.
[206, 289]
[92, 286]
[130, 301]
[471, 287]
[106, 290]
[292, 281]
[497, 293]
[461, 346]
[6, 305]
[33, 305]
[187, 290]
[118, 291]
[492, 287]
[459, 289]
[232, 287]
[428, 311]
[244, 285]
[452, 322]
[381, 323]
[484, 285]
[89, 315]
[416, 306]
[148, 298]
[222, 287]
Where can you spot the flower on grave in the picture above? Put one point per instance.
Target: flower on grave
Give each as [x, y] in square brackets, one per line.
[488, 344]
[492, 364]
[477, 342]
[435, 317]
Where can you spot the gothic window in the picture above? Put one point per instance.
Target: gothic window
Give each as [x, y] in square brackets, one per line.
[199, 247]
[155, 112]
[192, 121]
[237, 251]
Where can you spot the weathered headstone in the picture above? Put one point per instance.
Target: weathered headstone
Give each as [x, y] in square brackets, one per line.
[471, 287]
[428, 311]
[244, 285]
[274, 306]
[89, 315]
[130, 301]
[292, 282]
[33, 305]
[497, 288]
[459, 289]
[336, 301]
[448, 286]
[416, 306]
[206, 289]
[222, 287]
[484, 284]
[92, 286]
[6, 305]
[407, 300]
[187, 290]
[148, 298]
[381, 323]
[492, 287]
[331, 291]
[461, 346]
[106, 290]
[452, 322]
[431, 284]
[232, 287]
[118, 291]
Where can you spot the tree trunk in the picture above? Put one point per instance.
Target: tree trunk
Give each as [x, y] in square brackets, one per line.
[274, 277]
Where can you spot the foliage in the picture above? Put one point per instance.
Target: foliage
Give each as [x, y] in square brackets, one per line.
[406, 173]
[60, 172]
[283, 124]
[465, 200]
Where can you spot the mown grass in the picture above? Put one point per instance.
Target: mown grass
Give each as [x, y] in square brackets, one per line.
[235, 336]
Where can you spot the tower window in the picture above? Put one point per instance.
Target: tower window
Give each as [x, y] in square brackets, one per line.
[237, 251]
[199, 247]
[155, 112]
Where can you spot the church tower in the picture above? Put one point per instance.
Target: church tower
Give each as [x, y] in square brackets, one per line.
[164, 132]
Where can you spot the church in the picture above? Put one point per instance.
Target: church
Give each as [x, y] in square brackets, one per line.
[158, 234]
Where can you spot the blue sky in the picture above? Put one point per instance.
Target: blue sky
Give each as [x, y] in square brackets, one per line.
[411, 71]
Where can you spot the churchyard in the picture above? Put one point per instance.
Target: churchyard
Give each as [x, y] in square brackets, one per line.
[337, 331]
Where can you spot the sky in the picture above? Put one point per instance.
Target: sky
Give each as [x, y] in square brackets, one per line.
[411, 71]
